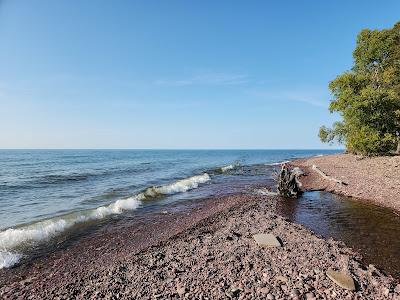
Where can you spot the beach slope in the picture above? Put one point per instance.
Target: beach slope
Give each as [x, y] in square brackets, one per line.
[210, 253]
[376, 179]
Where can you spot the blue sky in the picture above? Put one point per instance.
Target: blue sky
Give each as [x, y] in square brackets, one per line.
[174, 74]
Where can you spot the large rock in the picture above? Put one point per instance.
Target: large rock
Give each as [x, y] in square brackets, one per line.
[341, 279]
[266, 240]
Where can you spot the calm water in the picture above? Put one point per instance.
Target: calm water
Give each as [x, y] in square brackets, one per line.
[45, 193]
[371, 230]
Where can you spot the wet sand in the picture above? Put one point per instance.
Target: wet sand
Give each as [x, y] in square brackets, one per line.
[204, 252]
[376, 179]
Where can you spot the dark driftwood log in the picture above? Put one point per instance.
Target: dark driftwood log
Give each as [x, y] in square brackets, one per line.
[288, 185]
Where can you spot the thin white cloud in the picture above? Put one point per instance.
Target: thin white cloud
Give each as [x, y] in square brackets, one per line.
[315, 97]
[206, 79]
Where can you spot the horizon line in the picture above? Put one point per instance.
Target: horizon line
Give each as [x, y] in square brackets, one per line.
[160, 149]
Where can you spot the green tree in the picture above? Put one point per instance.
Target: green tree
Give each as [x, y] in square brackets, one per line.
[368, 96]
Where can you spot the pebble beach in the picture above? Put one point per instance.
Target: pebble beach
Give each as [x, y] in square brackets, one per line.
[207, 253]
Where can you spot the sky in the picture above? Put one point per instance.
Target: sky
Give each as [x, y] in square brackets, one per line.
[175, 74]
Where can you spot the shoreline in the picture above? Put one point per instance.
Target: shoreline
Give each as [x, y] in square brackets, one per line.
[375, 179]
[206, 251]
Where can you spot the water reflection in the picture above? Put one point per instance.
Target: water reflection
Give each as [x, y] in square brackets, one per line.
[371, 230]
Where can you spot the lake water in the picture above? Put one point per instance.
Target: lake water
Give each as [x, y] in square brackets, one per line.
[44, 193]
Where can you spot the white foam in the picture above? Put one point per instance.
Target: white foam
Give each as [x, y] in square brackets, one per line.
[8, 259]
[179, 186]
[14, 239]
[265, 192]
[278, 163]
[227, 168]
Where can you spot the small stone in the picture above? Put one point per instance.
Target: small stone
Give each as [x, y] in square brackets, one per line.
[233, 293]
[180, 289]
[264, 290]
[266, 240]
[341, 279]
[281, 278]
[295, 293]
[310, 296]
[270, 297]
[385, 291]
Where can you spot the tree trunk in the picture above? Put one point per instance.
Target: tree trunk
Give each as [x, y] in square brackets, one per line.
[288, 185]
[398, 146]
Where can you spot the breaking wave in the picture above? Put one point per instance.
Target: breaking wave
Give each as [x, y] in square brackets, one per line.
[226, 168]
[179, 186]
[13, 240]
[278, 163]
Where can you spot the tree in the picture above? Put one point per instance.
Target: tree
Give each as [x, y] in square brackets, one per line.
[368, 96]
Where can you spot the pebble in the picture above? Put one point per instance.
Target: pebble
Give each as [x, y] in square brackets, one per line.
[294, 293]
[341, 279]
[310, 296]
[270, 297]
[385, 291]
[281, 278]
[180, 289]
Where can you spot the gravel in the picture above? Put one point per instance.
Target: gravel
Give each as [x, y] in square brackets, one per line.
[206, 254]
[376, 179]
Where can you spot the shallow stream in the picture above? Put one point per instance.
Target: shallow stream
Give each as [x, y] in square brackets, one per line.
[371, 230]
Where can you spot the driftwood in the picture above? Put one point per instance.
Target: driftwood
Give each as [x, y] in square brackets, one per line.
[288, 183]
[315, 168]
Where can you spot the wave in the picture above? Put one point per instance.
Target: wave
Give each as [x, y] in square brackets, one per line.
[177, 187]
[8, 259]
[13, 240]
[278, 163]
[41, 180]
[226, 168]
[52, 179]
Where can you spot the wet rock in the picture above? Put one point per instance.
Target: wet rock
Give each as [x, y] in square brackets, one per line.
[266, 240]
[341, 279]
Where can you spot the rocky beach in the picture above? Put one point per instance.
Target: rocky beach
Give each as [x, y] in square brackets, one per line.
[205, 252]
[200, 150]
[374, 179]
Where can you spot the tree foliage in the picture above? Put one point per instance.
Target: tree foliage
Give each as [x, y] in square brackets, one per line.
[368, 96]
